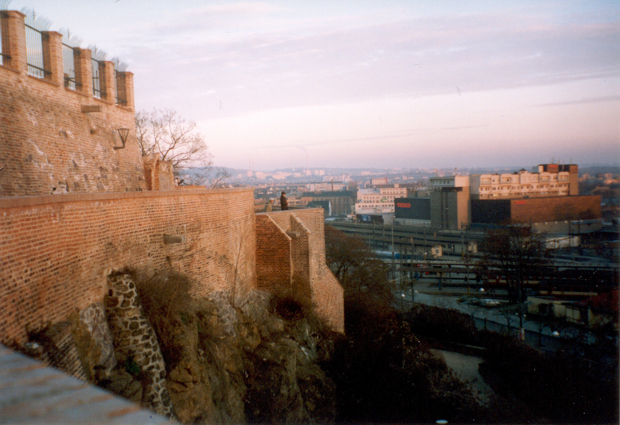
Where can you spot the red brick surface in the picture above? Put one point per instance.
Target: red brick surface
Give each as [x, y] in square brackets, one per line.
[57, 251]
[273, 256]
[556, 208]
[45, 139]
[308, 236]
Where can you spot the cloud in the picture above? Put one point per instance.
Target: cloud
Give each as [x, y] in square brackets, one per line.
[403, 134]
[583, 101]
[318, 64]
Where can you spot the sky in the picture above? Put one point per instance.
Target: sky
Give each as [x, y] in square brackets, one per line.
[360, 84]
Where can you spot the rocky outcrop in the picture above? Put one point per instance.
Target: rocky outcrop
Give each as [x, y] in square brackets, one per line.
[220, 359]
[252, 360]
[94, 342]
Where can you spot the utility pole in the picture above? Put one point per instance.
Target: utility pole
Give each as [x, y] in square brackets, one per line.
[411, 272]
[393, 259]
[462, 243]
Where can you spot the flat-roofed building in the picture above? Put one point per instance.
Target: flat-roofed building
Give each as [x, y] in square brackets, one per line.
[378, 200]
[546, 180]
[449, 202]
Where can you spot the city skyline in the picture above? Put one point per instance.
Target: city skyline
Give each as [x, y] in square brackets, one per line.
[356, 84]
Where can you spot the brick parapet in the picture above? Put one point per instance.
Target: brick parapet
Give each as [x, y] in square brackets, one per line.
[108, 89]
[83, 72]
[129, 88]
[301, 253]
[21, 201]
[47, 142]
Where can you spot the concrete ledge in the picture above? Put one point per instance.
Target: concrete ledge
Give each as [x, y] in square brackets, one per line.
[26, 201]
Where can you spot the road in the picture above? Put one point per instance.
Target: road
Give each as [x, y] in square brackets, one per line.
[492, 318]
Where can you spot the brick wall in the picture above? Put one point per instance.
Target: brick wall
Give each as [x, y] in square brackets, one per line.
[57, 251]
[158, 174]
[47, 142]
[307, 251]
[273, 254]
[301, 254]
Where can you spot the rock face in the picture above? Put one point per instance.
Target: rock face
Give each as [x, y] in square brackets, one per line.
[219, 359]
[136, 344]
[95, 342]
[248, 361]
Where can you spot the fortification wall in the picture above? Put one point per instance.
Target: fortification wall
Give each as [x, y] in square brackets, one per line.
[47, 141]
[57, 251]
[311, 278]
[273, 254]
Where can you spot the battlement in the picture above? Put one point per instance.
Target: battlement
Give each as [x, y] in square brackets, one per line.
[61, 109]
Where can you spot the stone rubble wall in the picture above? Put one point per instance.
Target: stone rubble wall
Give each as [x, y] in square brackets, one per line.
[135, 341]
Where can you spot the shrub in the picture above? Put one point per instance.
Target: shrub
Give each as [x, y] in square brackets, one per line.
[443, 324]
[560, 387]
[383, 373]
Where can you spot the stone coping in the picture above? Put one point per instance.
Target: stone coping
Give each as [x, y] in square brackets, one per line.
[33, 393]
[25, 201]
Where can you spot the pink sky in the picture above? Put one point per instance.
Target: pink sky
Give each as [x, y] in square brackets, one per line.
[371, 84]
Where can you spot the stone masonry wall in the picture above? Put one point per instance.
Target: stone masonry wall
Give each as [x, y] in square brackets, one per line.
[135, 341]
[57, 251]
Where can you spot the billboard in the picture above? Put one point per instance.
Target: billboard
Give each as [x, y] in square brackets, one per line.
[413, 208]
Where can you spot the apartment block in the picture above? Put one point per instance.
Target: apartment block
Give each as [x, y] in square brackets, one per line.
[545, 180]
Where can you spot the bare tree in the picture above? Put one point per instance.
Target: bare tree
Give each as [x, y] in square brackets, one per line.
[355, 265]
[518, 253]
[209, 176]
[173, 137]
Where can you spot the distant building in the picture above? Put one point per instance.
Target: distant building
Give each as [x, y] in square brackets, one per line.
[325, 186]
[321, 204]
[449, 202]
[378, 200]
[378, 181]
[340, 202]
[555, 214]
[546, 180]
